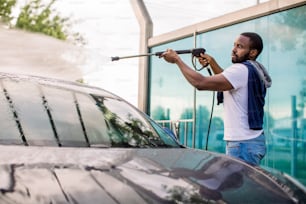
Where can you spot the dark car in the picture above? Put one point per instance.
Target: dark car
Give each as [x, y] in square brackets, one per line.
[65, 142]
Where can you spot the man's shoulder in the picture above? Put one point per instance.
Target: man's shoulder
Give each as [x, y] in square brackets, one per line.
[236, 67]
[236, 72]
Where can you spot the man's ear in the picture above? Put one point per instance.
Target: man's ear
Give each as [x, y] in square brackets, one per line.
[253, 54]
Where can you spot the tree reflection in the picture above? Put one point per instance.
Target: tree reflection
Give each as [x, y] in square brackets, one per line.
[181, 195]
[126, 130]
[290, 29]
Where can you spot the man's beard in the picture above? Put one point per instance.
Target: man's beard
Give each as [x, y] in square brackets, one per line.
[237, 59]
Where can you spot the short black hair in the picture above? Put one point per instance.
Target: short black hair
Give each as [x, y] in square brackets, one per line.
[256, 41]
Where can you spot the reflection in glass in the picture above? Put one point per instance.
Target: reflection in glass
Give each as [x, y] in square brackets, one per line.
[125, 127]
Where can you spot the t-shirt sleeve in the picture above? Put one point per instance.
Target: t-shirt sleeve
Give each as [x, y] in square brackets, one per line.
[237, 75]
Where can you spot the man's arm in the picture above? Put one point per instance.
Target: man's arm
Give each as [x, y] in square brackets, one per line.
[214, 83]
[206, 60]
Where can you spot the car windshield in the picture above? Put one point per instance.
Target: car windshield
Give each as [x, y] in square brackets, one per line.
[42, 114]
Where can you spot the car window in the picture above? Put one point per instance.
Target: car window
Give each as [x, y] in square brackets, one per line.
[66, 124]
[129, 127]
[12, 134]
[167, 135]
[92, 120]
[42, 114]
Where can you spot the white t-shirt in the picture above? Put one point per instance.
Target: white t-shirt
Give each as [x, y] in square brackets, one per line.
[236, 125]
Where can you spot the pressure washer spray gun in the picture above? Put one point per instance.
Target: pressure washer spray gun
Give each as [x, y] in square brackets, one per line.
[195, 53]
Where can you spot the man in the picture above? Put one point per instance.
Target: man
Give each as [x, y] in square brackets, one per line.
[244, 86]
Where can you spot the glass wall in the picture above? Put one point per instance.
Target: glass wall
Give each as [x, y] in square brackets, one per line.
[199, 119]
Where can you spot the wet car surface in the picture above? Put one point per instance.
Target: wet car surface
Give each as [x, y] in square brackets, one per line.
[64, 142]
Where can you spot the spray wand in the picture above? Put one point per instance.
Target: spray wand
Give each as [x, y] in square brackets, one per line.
[195, 52]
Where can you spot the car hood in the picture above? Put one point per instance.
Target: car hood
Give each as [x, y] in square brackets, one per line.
[92, 175]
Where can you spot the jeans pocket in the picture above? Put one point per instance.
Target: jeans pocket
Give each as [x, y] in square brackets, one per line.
[233, 149]
[257, 151]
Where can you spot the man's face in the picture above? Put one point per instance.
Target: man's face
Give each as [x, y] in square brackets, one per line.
[241, 49]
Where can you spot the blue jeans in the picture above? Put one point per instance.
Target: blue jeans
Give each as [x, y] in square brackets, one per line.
[251, 151]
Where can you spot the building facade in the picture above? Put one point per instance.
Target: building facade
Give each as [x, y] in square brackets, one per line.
[195, 116]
